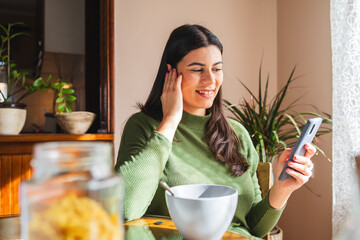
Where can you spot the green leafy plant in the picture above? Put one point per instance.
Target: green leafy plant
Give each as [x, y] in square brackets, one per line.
[17, 87]
[64, 95]
[271, 126]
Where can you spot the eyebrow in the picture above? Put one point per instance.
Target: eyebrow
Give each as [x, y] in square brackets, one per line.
[201, 64]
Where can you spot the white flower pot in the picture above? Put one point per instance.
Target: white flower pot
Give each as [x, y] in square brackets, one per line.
[12, 118]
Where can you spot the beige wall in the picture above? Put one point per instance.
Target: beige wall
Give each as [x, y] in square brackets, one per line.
[304, 40]
[284, 32]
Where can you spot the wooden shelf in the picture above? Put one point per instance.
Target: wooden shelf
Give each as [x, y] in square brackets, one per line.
[24, 143]
[55, 137]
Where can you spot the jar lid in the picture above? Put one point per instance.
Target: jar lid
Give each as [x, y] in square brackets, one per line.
[54, 158]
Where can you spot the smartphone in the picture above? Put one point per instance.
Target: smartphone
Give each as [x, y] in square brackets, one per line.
[307, 136]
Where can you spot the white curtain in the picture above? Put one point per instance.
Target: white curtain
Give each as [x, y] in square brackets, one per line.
[345, 40]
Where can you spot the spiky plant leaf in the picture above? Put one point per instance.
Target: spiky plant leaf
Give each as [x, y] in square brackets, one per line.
[272, 126]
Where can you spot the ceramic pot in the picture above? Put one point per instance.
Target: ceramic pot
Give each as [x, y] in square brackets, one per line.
[276, 233]
[12, 118]
[77, 122]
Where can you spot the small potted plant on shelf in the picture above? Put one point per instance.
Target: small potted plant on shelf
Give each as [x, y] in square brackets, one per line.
[273, 127]
[76, 122]
[15, 88]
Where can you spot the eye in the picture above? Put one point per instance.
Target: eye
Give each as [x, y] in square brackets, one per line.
[217, 69]
[197, 70]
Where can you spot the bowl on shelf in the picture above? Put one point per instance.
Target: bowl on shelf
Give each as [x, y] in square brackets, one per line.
[76, 122]
[202, 211]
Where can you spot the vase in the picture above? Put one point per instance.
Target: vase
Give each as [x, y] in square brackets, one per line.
[12, 118]
[276, 233]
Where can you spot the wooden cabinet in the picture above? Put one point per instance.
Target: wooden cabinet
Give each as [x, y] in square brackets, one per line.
[15, 156]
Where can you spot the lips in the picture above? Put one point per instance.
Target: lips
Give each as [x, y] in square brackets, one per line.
[205, 93]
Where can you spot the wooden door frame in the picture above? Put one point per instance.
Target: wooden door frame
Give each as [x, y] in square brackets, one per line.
[107, 66]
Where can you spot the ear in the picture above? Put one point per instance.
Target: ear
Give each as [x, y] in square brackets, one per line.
[168, 67]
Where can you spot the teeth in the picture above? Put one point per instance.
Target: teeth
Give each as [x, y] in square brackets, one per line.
[205, 92]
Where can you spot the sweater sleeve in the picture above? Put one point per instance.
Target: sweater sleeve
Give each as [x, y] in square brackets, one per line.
[142, 156]
[261, 217]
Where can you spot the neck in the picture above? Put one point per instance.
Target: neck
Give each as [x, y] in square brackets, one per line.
[197, 112]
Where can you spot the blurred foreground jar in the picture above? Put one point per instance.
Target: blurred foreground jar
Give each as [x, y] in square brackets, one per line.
[74, 193]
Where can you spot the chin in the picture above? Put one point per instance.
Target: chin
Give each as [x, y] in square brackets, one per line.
[203, 105]
[207, 106]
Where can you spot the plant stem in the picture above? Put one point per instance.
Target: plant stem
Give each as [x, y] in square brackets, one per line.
[2, 95]
[23, 96]
[8, 65]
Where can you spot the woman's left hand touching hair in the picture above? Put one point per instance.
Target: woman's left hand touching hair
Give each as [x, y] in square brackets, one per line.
[172, 104]
[301, 172]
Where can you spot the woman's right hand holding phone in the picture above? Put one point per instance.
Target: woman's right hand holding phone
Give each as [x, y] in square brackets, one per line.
[300, 172]
[172, 104]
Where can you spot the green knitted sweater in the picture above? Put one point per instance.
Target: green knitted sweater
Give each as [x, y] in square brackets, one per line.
[146, 156]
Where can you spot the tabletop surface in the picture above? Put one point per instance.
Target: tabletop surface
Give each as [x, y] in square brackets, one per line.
[148, 227]
[164, 228]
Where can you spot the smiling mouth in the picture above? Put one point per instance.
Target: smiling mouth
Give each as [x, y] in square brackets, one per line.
[205, 93]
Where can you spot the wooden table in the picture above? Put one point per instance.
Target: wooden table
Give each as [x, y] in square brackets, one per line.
[162, 228]
[147, 228]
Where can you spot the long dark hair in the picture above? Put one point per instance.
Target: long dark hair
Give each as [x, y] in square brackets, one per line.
[221, 138]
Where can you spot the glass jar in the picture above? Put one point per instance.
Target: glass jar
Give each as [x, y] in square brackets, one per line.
[74, 193]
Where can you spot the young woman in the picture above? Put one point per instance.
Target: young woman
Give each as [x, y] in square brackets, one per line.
[181, 136]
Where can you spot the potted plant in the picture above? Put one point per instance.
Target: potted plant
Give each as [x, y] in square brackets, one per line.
[16, 88]
[273, 127]
[76, 122]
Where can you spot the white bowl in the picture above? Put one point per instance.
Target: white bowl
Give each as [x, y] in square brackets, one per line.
[202, 211]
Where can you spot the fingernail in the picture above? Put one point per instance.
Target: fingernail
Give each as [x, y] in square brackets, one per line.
[294, 157]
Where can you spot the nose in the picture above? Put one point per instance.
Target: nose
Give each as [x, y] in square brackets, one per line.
[208, 77]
